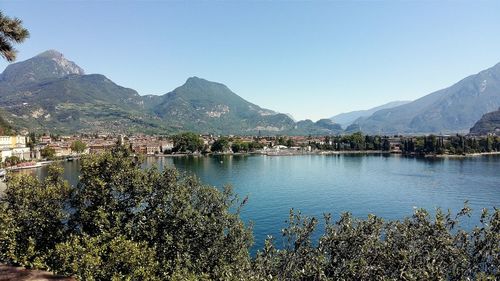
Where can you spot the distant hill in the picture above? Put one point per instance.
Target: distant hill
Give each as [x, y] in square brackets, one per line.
[203, 106]
[321, 127]
[346, 119]
[451, 110]
[50, 93]
[488, 124]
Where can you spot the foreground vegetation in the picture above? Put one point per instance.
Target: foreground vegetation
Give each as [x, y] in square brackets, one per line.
[125, 223]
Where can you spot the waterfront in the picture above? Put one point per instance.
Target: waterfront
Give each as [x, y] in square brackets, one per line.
[389, 186]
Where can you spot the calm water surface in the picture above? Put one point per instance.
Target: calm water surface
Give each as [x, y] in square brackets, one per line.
[389, 186]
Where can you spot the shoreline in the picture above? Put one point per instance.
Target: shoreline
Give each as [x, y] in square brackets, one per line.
[40, 164]
[278, 153]
[467, 155]
[328, 152]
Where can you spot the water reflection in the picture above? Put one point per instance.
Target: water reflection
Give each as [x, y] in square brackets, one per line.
[386, 185]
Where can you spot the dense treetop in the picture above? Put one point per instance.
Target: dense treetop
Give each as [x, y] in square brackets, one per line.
[123, 222]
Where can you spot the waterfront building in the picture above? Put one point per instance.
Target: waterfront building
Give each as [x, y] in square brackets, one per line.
[14, 146]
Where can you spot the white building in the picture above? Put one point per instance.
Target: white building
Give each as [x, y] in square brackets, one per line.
[12, 141]
[14, 146]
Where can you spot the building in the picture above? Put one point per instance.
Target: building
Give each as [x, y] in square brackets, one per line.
[12, 141]
[45, 139]
[14, 146]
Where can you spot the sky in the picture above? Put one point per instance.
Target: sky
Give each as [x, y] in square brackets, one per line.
[312, 59]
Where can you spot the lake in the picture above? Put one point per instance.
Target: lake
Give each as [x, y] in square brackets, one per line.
[390, 186]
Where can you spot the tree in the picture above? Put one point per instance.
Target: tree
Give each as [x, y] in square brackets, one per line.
[239, 146]
[122, 222]
[188, 226]
[34, 214]
[48, 152]
[255, 145]
[11, 32]
[386, 145]
[372, 249]
[187, 142]
[357, 141]
[220, 145]
[12, 160]
[78, 146]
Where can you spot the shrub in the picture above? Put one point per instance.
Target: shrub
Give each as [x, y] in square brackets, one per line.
[122, 222]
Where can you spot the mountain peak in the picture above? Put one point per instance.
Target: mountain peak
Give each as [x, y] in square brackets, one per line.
[63, 66]
[51, 54]
[197, 80]
[205, 86]
[47, 65]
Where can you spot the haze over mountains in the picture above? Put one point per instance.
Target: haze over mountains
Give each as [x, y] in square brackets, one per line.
[49, 92]
[346, 119]
[450, 110]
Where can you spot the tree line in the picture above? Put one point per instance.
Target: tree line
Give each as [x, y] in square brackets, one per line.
[457, 144]
[122, 222]
[412, 145]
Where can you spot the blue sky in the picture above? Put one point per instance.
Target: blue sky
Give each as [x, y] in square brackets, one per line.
[311, 59]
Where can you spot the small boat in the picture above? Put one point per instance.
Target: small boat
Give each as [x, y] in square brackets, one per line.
[3, 172]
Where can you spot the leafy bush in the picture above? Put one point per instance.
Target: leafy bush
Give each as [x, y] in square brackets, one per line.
[125, 223]
[416, 248]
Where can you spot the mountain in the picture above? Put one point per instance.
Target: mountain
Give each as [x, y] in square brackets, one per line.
[47, 65]
[451, 110]
[50, 93]
[321, 127]
[203, 106]
[488, 124]
[346, 119]
[5, 127]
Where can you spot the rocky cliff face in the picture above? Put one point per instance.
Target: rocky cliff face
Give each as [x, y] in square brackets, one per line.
[488, 124]
[47, 65]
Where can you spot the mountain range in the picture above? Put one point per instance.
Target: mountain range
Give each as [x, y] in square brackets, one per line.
[346, 119]
[451, 110]
[51, 93]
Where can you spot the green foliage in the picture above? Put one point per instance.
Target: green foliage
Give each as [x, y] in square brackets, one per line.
[187, 142]
[78, 146]
[32, 218]
[220, 145]
[11, 32]
[105, 258]
[458, 144]
[255, 146]
[48, 152]
[12, 160]
[239, 146]
[5, 128]
[416, 248]
[122, 222]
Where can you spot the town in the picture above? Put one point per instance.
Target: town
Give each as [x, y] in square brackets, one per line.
[31, 150]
